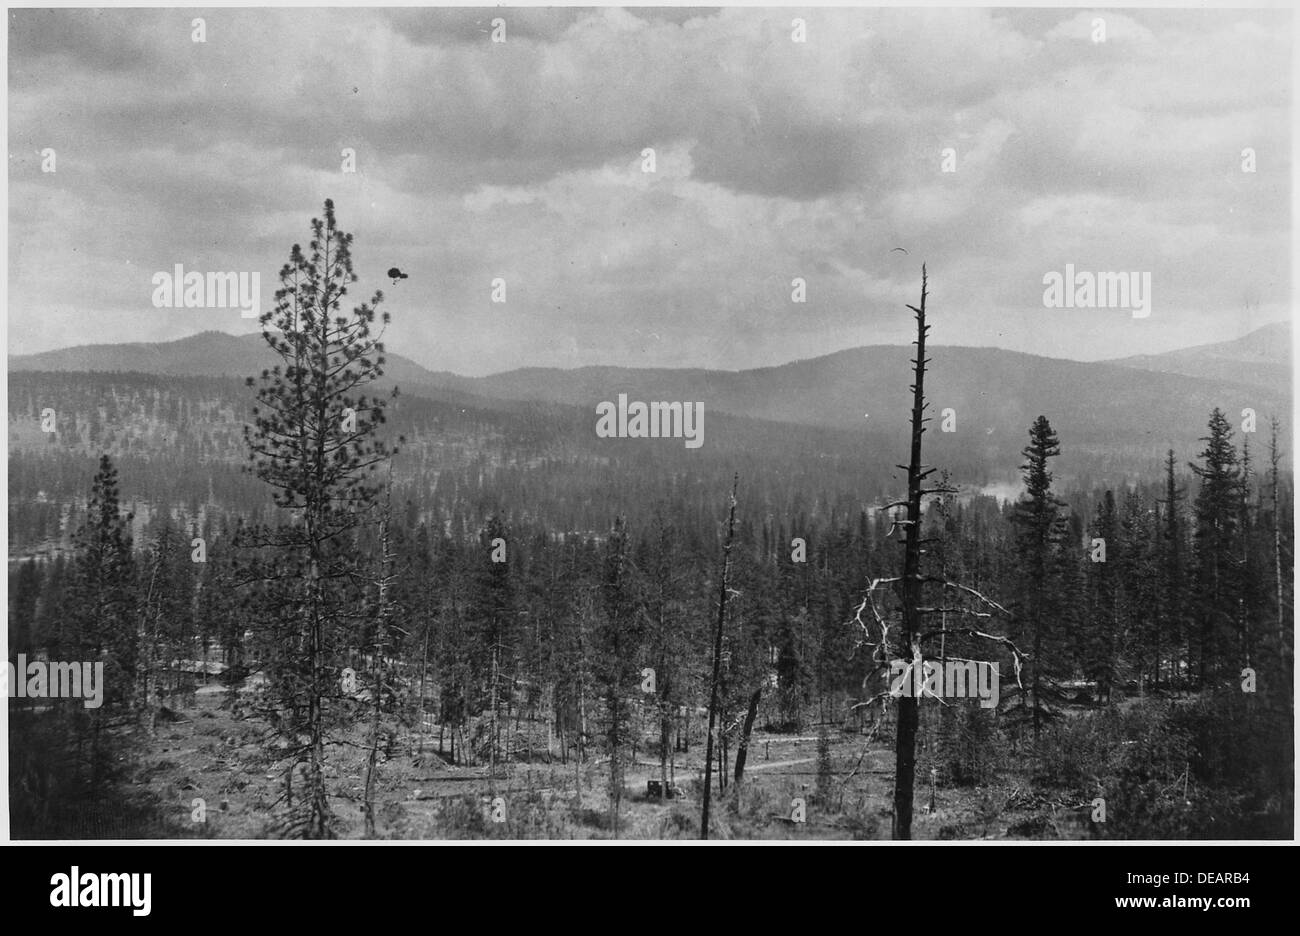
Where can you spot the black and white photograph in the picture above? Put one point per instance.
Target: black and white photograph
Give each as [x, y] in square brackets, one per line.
[650, 424]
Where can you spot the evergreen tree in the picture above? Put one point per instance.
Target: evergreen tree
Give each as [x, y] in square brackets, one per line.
[1073, 572]
[1281, 563]
[315, 440]
[492, 620]
[102, 610]
[1041, 528]
[1102, 633]
[618, 653]
[1249, 583]
[1171, 634]
[166, 627]
[1216, 552]
[668, 642]
[104, 585]
[24, 593]
[1137, 572]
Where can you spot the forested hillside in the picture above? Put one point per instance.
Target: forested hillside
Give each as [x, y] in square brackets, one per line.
[495, 652]
[1120, 415]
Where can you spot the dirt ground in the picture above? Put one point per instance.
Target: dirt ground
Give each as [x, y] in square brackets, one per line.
[212, 775]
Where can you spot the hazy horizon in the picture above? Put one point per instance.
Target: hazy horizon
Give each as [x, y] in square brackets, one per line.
[390, 350]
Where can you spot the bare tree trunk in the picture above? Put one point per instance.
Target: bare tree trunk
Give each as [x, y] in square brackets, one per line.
[717, 660]
[722, 760]
[582, 697]
[561, 722]
[742, 751]
[319, 815]
[910, 587]
[672, 766]
[147, 640]
[377, 668]
[519, 712]
[577, 779]
[492, 737]
[1038, 656]
[562, 727]
[372, 759]
[424, 669]
[615, 771]
[665, 732]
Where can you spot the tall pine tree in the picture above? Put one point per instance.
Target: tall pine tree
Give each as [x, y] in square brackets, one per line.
[1041, 528]
[1217, 515]
[314, 439]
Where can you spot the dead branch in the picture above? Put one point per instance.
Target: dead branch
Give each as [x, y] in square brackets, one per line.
[970, 591]
[878, 697]
[1017, 655]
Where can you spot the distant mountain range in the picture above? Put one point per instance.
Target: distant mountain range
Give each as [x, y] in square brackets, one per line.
[1261, 358]
[1130, 407]
[207, 354]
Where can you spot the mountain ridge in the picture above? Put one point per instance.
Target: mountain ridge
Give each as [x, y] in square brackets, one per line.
[1260, 358]
[982, 399]
[1269, 344]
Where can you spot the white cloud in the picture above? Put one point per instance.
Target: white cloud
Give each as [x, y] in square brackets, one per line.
[774, 159]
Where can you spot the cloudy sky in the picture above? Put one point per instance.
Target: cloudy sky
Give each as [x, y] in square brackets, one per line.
[774, 159]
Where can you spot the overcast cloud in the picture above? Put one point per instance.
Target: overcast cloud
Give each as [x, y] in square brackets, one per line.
[774, 159]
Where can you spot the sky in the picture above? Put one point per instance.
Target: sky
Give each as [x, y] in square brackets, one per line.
[524, 161]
